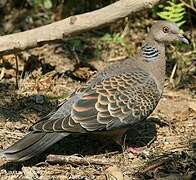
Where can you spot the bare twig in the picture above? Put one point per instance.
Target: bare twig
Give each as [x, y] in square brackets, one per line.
[75, 160]
[171, 79]
[76, 56]
[2, 73]
[72, 25]
[119, 58]
[16, 59]
[188, 5]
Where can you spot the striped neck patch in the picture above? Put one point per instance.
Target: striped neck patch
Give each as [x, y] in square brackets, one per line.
[149, 52]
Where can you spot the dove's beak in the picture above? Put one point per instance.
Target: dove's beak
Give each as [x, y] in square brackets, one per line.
[183, 39]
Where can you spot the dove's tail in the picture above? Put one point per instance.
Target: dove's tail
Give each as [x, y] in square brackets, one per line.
[31, 145]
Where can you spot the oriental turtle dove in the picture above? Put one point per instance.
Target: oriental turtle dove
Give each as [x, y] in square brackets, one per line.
[114, 99]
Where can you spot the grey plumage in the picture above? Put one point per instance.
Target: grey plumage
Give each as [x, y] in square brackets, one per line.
[31, 145]
[121, 95]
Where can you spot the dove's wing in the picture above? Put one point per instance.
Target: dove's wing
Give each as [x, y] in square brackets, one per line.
[115, 102]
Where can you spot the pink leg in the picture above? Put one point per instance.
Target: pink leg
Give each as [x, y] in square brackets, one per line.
[131, 149]
[118, 135]
[135, 150]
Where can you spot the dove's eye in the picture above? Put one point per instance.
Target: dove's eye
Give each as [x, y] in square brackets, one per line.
[165, 29]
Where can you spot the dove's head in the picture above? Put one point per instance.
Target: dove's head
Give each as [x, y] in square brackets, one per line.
[166, 32]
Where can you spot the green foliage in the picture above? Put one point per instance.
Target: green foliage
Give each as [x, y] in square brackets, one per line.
[47, 4]
[116, 39]
[173, 11]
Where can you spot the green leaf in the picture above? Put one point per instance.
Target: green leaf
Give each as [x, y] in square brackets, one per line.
[47, 4]
[107, 37]
[180, 23]
[173, 11]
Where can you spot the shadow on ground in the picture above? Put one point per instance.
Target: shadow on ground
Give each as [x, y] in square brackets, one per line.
[87, 144]
[15, 108]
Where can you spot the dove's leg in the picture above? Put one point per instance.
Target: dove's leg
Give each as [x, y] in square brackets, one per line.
[131, 149]
[118, 138]
[134, 150]
[121, 141]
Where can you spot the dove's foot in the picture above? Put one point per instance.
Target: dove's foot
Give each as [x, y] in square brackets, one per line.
[135, 150]
[130, 149]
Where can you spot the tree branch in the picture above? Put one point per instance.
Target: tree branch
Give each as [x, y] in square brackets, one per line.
[71, 26]
[75, 160]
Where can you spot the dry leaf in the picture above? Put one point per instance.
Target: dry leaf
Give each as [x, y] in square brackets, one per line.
[192, 105]
[29, 173]
[114, 173]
